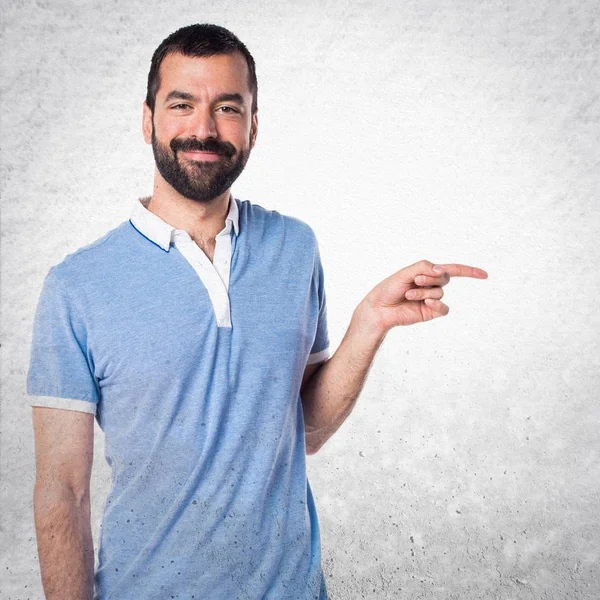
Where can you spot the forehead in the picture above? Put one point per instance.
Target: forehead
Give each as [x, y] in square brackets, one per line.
[222, 72]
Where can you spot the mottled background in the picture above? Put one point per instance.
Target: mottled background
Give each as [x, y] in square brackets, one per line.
[453, 131]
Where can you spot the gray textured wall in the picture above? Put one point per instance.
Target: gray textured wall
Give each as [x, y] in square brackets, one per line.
[453, 131]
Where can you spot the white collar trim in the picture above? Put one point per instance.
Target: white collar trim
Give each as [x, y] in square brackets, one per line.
[161, 233]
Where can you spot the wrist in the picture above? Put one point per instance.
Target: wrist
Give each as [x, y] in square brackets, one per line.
[365, 321]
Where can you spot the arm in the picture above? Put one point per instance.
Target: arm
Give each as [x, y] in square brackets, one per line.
[411, 295]
[331, 388]
[61, 501]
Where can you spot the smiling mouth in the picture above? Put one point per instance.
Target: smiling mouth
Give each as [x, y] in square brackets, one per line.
[200, 155]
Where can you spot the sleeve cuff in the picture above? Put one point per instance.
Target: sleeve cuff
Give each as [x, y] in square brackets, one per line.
[318, 357]
[65, 403]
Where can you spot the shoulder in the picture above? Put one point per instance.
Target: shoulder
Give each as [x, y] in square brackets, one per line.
[273, 223]
[91, 258]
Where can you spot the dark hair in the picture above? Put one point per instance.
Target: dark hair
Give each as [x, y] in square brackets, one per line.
[201, 41]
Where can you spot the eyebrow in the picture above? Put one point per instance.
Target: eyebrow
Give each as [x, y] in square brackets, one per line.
[231, 97]
[176, 94]
[224, 97]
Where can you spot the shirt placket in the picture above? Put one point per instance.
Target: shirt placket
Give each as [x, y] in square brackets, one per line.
[214, 275]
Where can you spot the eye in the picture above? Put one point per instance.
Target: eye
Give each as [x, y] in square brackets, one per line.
[228, 109]
[181, 106]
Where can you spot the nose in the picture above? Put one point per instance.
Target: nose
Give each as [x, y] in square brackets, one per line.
[203, 125]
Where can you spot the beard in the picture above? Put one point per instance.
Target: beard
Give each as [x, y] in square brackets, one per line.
[201, 181]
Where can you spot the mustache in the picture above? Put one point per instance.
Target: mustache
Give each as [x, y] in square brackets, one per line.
[210, 145]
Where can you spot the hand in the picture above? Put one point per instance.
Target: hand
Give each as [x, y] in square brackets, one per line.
[412, 295]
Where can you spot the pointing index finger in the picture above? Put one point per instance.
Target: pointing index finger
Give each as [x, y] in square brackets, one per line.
[455, 270]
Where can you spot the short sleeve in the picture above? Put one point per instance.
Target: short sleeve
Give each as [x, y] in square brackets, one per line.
[320, 348]
[60, 369]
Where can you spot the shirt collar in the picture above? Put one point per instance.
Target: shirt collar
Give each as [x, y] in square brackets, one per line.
[161, 233]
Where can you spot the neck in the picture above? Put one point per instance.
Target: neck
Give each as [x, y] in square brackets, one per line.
[201, 220]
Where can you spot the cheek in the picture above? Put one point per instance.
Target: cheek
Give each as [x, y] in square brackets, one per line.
[237, 132]
[244, 136]
[166, 129]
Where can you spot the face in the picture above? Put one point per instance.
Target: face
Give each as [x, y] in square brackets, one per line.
[202, 129]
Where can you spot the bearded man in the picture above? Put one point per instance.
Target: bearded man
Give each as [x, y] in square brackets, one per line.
[196, 335]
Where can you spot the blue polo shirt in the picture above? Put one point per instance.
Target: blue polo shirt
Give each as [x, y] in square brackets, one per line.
[193, 370]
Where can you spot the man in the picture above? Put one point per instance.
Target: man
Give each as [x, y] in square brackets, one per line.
[196, 335]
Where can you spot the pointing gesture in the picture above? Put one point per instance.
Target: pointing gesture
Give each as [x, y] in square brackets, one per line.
[413, 294]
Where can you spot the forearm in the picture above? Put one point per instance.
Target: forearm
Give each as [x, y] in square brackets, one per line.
[65, 546]
[329, 396]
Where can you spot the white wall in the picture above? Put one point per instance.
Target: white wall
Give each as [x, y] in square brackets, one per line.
[453, 131]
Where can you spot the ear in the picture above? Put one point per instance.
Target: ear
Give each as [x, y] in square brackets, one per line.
[253, 130]
[147, 124]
